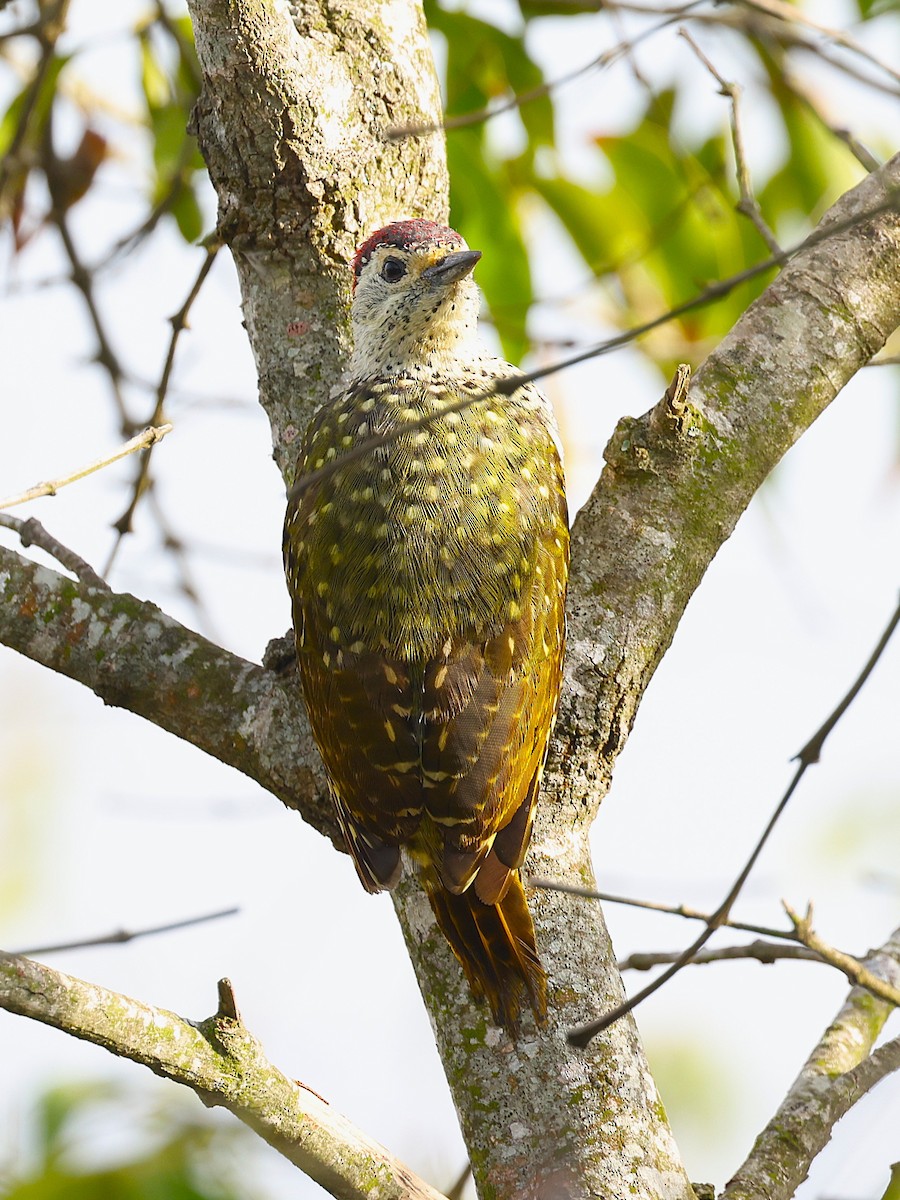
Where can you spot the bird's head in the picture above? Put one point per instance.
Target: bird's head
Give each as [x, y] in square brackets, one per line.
[414, 300]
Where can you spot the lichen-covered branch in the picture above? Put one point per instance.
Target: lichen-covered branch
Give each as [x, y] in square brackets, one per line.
[225, 1065]
[839, 1071]
[134, 656]
[296, 103]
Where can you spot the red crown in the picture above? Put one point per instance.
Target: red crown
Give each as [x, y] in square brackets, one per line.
[404, 235]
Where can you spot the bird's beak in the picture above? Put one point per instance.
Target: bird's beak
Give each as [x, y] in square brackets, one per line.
[451, 268]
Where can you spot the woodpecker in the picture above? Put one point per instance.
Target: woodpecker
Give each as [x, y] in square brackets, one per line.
[428, 576]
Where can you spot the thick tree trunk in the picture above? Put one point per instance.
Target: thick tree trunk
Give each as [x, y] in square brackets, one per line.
[293, 122]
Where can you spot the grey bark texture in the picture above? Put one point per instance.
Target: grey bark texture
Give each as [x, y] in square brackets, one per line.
[840, 1070]
[293, 119]
[224, 1064]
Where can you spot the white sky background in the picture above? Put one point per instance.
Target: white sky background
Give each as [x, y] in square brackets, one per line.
[107, 821]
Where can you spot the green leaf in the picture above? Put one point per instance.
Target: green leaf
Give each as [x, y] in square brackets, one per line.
[180, 1159]
[59, 1107]
[154, 80]
[187, 214]
[551, 8]
[875, 8]
[590, 218]
[9, 122]
[485, 213]
[484, 63]
[819, 167]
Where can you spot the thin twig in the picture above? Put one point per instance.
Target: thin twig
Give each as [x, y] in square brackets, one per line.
[149, 437]
[759, 951]
[120, 936]
[809, 755]
[855, 971]
[519, 379]
[33, 533]
[794, 16]
[176, 546]
[861, 153]
[179, 323]
[674, 910]
[84, 282]
[785, 14]
[600, 62]
[747, 204]
[130, 241]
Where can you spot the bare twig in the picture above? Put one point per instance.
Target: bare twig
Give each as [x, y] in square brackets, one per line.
[120, 936]
[176, 546]
[228, 1008]
[478, 116]
[84, 282]
[855, 971]
[861, 153]
[791, 18]
[809, 755]
[179, 322]
[763, 952]
[130, 241]
[794, 16]
[224, 1064]
[747, 204]
[674, 910]
[142, 441]
[33, 533]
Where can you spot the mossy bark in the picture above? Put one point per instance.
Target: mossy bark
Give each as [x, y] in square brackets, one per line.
[224, 1063]
[293, 120]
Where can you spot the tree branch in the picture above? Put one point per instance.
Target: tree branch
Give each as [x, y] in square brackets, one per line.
[762, 952]
[855, 971]
[300, 176]
[133, 656]
[839, 1071]
[33, 533]
[225, 1065]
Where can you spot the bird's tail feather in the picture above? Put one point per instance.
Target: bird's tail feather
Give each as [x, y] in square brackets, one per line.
[496, 946]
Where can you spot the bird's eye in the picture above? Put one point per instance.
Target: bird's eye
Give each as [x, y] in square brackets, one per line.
[393, 269]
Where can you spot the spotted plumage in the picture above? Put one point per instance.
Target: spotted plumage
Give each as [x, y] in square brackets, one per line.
[428, 582]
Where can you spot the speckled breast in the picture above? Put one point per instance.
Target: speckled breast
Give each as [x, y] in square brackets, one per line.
[438, 532]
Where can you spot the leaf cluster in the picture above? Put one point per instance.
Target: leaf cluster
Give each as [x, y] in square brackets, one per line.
[665, 195]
